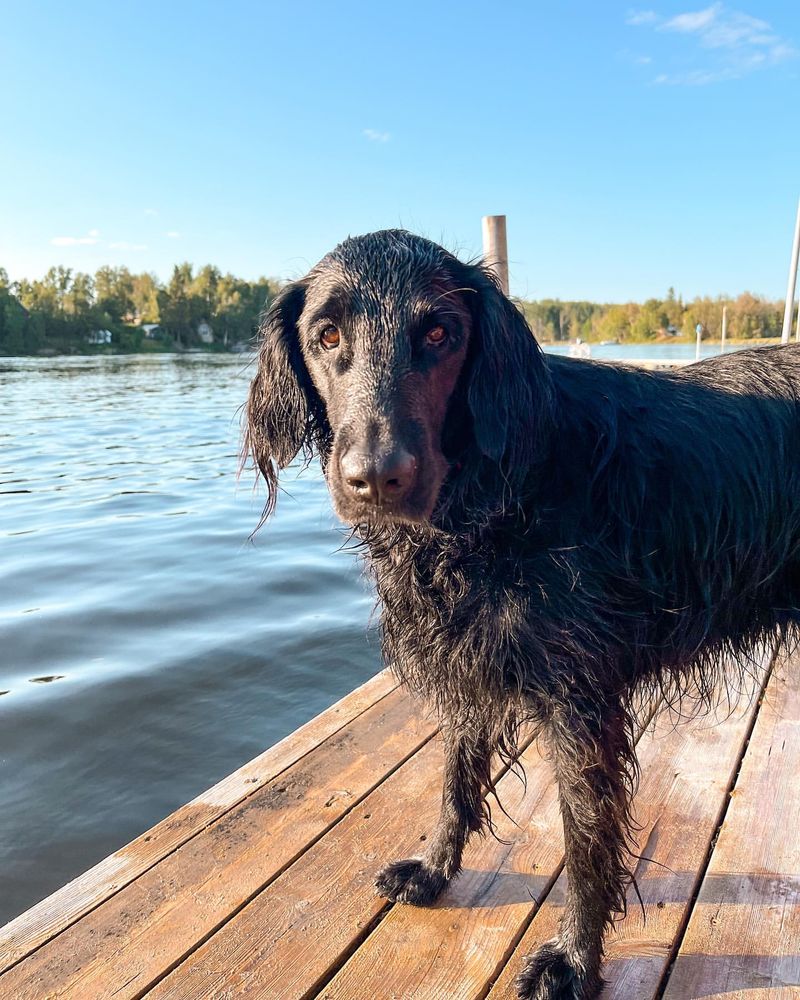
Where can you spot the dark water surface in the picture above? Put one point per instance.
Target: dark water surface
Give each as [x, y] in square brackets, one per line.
[147, 648]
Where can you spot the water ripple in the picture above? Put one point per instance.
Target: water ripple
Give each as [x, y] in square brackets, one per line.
[150, 646]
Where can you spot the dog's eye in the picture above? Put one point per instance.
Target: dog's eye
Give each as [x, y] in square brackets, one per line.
[436, 336]
[329, 338]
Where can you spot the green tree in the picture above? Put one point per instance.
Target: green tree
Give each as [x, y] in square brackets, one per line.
[614, 323]
[177, 307]
[204, 291]
[651, 320]
[113, 288]
[14, 337]
[144, 298]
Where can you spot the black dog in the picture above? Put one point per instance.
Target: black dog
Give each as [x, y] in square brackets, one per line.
[550, 538]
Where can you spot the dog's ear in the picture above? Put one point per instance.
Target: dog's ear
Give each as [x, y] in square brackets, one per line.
[509, 390]
[283, 413]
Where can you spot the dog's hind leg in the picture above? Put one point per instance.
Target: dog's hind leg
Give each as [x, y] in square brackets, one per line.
[467, 775]
[595, 767]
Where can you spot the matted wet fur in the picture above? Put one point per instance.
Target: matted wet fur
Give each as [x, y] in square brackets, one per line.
[552, 540]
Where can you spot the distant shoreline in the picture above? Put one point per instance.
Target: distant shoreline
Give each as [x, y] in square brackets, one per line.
[85, 351]
[117, 312]
[242, 349]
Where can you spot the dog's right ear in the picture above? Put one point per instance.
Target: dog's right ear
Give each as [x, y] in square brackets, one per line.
[283, 409]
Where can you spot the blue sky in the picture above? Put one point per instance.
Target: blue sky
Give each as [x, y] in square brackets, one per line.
[631, 147]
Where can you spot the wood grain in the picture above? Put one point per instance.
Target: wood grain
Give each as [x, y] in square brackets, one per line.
[686, 771]
[262, 887]
[122, 947]
[743, 939]
[452, 950]
[48, 918]
[289, 940]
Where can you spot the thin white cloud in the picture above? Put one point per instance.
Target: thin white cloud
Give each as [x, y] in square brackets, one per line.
[727, 44]
[693, 20]
[92, 237]
[173, 234]
[151, 211]
[694, 78]
[637, 17]
[125, 245]
[375, 136]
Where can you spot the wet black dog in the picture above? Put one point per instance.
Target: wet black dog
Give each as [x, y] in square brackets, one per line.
[550, 538]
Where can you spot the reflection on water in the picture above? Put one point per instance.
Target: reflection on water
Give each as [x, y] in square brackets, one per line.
[149, 647]
[646, 352]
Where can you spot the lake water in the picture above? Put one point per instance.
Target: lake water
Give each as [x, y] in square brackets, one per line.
[149, 647]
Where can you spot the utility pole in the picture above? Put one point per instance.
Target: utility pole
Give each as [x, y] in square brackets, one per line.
[789, 307]
[724, 329]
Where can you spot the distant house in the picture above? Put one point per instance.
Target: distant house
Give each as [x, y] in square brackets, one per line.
[98, 337]
[204, 332]
[150, 330]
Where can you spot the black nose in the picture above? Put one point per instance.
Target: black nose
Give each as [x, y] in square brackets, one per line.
[378, 479]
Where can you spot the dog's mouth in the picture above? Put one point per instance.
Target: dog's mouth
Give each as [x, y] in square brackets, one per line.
[383, 513]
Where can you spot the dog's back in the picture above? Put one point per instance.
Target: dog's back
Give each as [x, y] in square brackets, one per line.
[676, 500]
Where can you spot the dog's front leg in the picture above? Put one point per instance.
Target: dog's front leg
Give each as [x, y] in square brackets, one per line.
[595, 767]
[467, 775]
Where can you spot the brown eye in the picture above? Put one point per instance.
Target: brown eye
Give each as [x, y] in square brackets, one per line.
[436, 336]
[329, 338]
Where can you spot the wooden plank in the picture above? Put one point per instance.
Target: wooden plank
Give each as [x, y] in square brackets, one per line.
[48, 918]
[456, 948]
[289, 940]
[452, 950]
[686, 772]
[146, 928]
[743, 939]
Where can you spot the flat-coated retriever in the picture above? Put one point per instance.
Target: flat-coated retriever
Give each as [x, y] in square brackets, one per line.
[553, 540]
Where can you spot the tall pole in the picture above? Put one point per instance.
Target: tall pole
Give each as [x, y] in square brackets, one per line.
[495, 247]
[724, 329]
[789, 307]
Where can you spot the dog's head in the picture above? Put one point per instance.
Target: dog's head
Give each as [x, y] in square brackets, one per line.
[397, 363]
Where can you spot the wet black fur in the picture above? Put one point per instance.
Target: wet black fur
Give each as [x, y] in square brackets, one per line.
[605, 533]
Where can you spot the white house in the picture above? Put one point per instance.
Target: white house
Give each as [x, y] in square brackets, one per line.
[98, 337]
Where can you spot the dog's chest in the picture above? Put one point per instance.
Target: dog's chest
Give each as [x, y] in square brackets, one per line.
[458, 620]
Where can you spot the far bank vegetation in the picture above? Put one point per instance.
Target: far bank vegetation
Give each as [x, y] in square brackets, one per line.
[115, 310]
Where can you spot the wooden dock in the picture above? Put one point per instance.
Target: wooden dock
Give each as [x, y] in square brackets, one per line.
[262, 886]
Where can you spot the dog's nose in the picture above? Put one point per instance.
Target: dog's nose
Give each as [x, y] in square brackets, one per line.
[378, 479]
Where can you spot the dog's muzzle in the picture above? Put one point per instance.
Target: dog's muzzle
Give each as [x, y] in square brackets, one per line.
[378, 479]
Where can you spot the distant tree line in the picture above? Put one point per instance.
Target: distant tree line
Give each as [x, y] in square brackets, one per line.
[63, 311]
[749, 317]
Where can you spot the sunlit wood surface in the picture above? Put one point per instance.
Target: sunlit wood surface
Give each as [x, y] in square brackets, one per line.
[262, 886]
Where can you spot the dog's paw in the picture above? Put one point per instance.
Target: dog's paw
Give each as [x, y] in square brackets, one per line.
[410, 881]
[548, 974]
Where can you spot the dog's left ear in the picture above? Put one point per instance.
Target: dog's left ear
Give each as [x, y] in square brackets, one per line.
[509, 390]
[284, 413]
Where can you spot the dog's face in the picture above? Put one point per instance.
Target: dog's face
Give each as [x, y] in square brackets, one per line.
[384, 347]
[391, 358]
